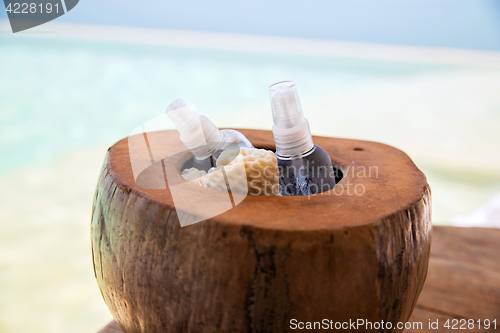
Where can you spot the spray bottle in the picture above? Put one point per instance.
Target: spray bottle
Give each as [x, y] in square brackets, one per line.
[304, 168]
[201, 136]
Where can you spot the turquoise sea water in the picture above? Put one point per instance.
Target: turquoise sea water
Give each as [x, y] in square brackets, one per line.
[57, 95]
[63, 102]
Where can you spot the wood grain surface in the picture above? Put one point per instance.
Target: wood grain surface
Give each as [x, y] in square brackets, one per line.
[335, 255]
[463, 281]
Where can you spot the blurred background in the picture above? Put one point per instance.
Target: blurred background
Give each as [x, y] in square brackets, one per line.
[423, 76]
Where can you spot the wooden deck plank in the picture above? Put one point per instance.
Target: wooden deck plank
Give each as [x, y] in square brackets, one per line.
[424, 316]
[468, 245]
[464, 273]
[111, 328]
[464, 290]
[463, 279]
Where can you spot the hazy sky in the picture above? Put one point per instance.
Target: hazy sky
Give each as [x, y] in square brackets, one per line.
[450, 23]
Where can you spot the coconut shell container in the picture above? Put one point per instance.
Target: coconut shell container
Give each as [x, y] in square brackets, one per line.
[170, 256]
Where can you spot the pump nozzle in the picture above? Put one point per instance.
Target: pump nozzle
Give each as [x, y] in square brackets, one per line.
[198, 133]
[180, 113]
[291, 130]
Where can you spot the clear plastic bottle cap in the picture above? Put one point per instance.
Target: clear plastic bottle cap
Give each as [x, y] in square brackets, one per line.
[292, 135]
[198, 133]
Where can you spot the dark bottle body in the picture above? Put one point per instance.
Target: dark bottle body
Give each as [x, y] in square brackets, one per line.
[310, 173]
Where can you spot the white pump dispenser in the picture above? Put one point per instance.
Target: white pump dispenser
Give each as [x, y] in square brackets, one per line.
[292, 135]
[200, 135]
[304, 168]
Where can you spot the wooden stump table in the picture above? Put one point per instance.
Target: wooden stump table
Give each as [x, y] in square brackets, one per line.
[359, 251]
[463, 281]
